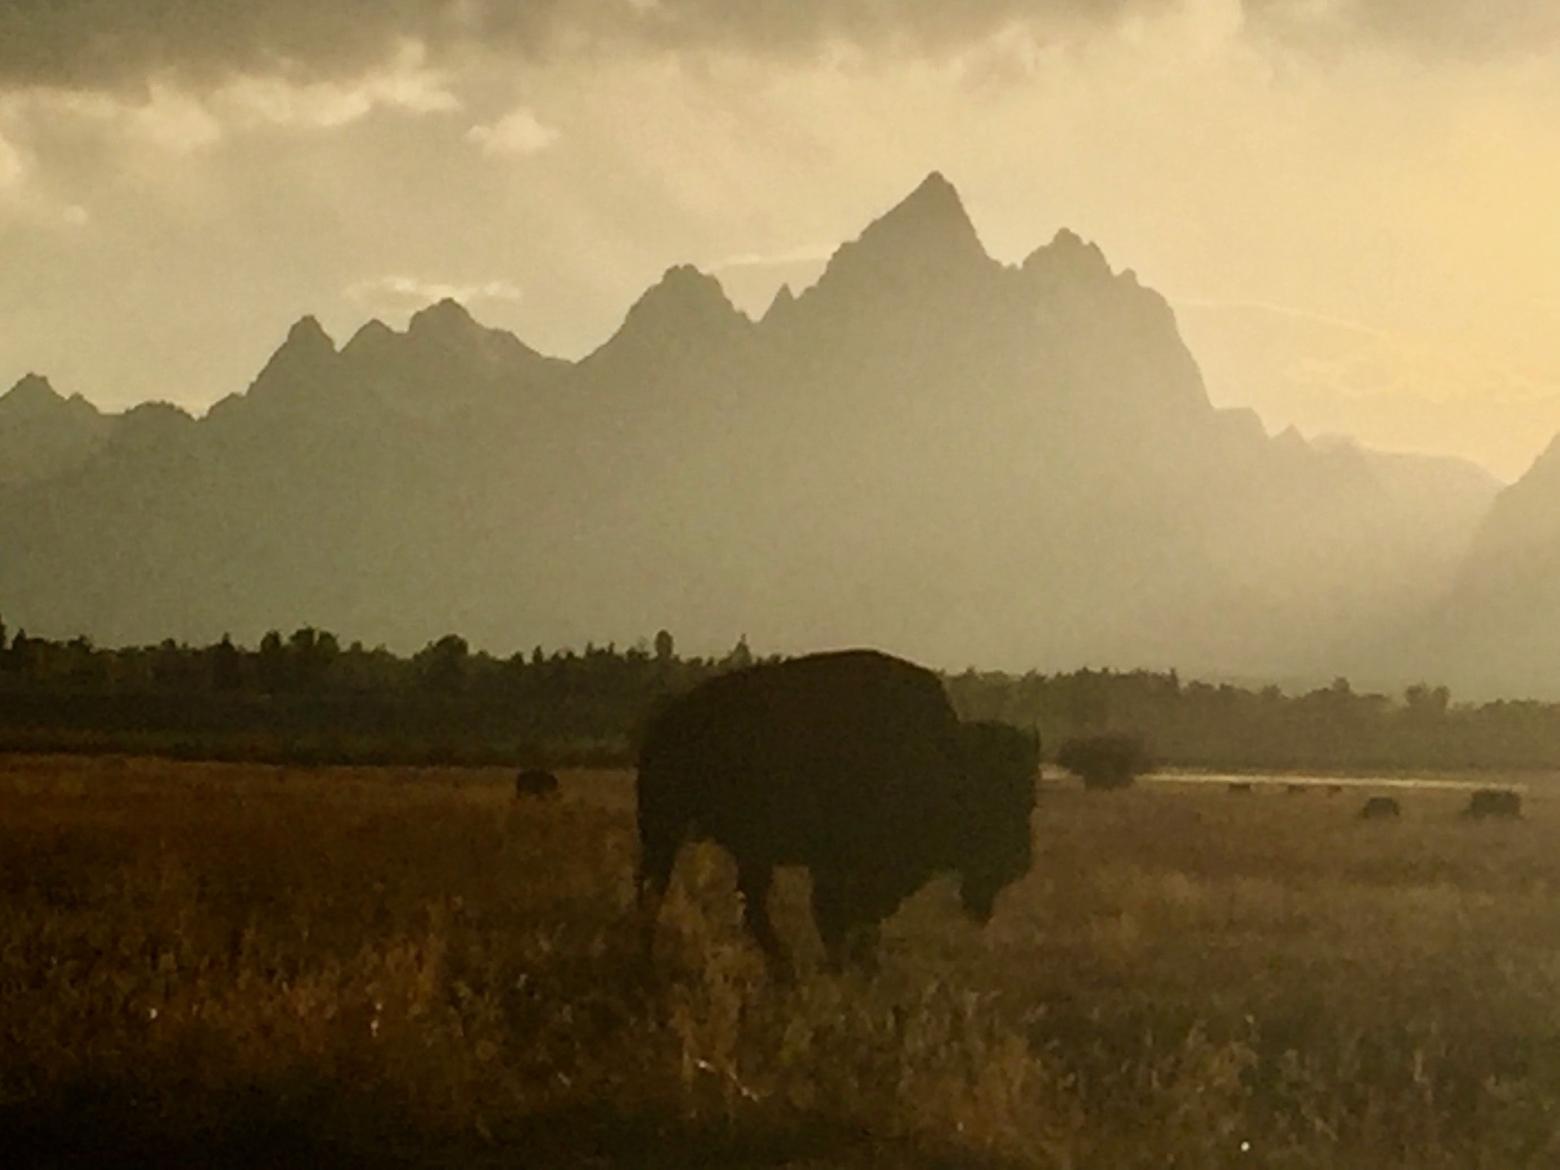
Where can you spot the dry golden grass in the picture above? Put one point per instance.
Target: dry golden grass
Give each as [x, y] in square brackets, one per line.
[247, 965]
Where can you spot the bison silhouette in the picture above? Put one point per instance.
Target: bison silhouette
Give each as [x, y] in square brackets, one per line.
[535, 782]
[1503, 803]
[852, 764]
[1380, 808]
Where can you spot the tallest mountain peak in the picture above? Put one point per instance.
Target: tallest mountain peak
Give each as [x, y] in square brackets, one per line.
[925, 239]
[937, 187]
[933, 208]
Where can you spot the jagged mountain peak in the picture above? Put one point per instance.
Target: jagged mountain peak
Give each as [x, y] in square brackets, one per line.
[372, 332]
[684, 304]
[43, 433]
[781, 303]
[35, 398]
[155, 417]
[304, 359]
[933, 197]
[307, 334]
[32, 398]
[32, 389]
[929, 227]
[447, 318]
[1070, 254]
[687, 283]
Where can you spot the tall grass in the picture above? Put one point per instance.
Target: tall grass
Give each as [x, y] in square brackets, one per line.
[255, 964]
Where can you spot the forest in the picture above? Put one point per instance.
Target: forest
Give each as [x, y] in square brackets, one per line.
[305, 698]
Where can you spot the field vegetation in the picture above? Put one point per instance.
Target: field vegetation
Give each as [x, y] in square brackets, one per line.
[246, 965]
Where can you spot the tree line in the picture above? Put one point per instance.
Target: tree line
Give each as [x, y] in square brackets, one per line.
[307, 698]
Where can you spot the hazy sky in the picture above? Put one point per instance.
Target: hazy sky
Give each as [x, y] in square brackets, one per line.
[180, 179]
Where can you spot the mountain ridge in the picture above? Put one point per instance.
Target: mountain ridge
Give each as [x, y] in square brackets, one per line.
[925, 449]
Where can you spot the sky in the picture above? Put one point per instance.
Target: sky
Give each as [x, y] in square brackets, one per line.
[1349, 201]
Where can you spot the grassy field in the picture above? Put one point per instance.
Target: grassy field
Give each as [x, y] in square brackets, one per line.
[235, 965]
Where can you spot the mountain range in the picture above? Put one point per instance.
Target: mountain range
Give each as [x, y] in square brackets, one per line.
[925, 450]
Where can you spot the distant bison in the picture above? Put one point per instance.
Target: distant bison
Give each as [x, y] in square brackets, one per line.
[1334, 789]
[1105, 761]
[535, 782]
[852, 764]
[1242, 788]
[1295, 789]
[1494, 802]
[1380, 808]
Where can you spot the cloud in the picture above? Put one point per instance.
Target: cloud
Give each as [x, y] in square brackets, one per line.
[405, 85]
[1432, 28]
[1342, 324]
[168, 118]
[106, 44]
[175, 121]
[13, 165]
[400, 292]
[182, 119]
[806, 254]
[518, 132]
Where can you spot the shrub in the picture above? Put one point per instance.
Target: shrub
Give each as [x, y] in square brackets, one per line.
[1105, 761]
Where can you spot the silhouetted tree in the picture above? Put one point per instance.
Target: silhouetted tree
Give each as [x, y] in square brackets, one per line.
[171, 667]
[1427, 703]
[272, 663]
[665, 648]
[740, 657]
[226, 666]
[310, 654]
[441, 665]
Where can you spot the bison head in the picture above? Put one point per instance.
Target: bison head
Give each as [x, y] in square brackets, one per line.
[993, 849]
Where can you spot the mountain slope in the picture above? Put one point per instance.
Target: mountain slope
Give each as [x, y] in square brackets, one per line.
[43, 434]
[1498, 629]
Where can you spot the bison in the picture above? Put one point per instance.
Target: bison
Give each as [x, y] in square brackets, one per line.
[1380, 808]
[1494, 802]
[852, 764]
[535, 782]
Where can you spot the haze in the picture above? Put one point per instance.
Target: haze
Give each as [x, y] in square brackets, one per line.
[1349, 203]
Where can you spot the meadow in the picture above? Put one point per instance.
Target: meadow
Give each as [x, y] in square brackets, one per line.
[236, 965]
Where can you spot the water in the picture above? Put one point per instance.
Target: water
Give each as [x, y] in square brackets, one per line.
[1371, 782]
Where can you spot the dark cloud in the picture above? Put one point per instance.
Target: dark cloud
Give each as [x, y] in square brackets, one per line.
[108, 43]
[1440, 29]
[103, 43]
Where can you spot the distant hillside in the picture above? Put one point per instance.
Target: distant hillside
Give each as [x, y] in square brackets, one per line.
[1498, 630]
[925, 450]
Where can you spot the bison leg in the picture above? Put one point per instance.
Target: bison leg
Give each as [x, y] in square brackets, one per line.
[848, 922]
[753, 880]
[831, 913]
[861, 942]
[655, 873]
